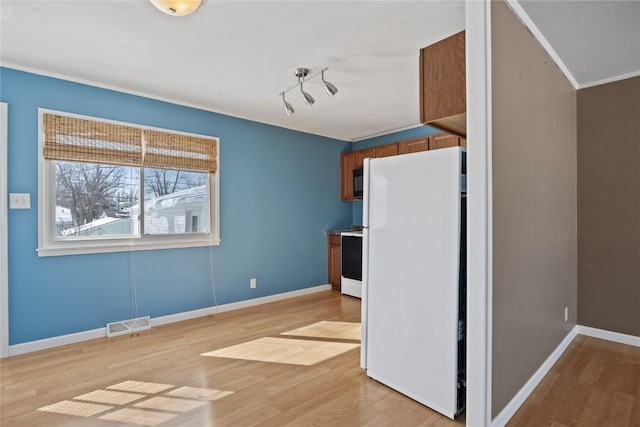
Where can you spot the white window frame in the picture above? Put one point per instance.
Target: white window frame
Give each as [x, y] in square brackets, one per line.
[49, 245]
[4, 239]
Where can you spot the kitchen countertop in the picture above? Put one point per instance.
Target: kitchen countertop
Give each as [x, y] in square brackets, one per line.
[339, 232]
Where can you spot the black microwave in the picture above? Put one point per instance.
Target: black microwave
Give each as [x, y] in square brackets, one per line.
[358, 182]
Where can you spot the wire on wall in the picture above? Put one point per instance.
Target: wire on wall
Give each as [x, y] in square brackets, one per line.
[213, 283]
[134, 297]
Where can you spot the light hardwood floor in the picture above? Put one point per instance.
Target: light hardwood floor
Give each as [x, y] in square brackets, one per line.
[594, 383]
[288, 363]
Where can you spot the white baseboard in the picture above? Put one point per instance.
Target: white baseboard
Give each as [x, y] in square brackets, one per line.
[505, 415]
[44, 344]
[30, 346]
[272, 298]
[525, 391]
[609, 336]
[185, 315]
[178, 317]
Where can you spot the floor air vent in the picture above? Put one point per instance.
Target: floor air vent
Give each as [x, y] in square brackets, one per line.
[128, 326]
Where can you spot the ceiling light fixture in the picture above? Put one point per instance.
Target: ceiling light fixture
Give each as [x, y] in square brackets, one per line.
[331, 89]
[177, 7]
[303, 76]
[308, 99]
[288, 108]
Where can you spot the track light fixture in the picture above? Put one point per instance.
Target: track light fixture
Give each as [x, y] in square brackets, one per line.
[303, 76]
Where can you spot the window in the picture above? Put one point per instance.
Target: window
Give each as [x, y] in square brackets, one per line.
[107, 186]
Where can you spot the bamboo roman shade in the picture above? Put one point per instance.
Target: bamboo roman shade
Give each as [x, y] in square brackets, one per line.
[182, 152]
[83, 140]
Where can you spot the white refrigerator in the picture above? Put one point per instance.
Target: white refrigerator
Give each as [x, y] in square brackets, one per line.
[414, 276]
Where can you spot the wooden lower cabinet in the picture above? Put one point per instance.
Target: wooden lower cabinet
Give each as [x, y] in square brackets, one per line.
[334, 260]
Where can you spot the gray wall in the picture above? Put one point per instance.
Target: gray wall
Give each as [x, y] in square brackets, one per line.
[534, 205]
[609, 206]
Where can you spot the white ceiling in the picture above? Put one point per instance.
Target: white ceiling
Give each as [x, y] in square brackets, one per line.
[235, 57]
[597, 41]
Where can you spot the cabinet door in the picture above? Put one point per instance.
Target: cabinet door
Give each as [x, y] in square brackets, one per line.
[387, 150]
[334, 259]
[347, 165]
[369, 153]
[444, 141]
[443, 84]
[413, 145]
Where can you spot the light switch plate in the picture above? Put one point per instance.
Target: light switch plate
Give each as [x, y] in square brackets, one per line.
[19, 201]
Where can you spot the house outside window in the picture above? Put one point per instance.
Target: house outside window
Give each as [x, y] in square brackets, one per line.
[108, 186]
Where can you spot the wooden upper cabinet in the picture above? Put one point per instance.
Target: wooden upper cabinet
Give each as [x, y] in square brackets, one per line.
[445, 140]
[443, 85]
[413, 145]
[347, 165]
[364, 154]
[355, 159]
[387, 150]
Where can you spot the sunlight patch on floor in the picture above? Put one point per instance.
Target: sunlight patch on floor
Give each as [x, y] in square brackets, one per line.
[140, 387]
[284, 350]
[149, 412]
[172, 404]
[138, 416]
[329, 329]
[199, 393]
[77, 409]
[110, 397]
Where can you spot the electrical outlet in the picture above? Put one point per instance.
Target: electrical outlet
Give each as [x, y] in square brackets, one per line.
[566, 314]
[252, 283]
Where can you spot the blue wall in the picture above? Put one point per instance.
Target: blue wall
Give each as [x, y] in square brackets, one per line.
[279, 192]
[381, 140]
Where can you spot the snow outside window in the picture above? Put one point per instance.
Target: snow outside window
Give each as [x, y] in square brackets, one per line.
[108, 186]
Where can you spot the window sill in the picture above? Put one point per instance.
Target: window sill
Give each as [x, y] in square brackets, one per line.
[98, 247]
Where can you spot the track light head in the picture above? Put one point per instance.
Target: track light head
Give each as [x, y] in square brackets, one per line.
[308, 99]
[330, 88]
[301, 73]
[288, 108]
